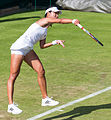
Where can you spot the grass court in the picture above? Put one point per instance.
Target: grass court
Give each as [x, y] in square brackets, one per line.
[81, 68]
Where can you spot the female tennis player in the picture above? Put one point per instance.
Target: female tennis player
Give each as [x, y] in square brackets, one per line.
[22, 50]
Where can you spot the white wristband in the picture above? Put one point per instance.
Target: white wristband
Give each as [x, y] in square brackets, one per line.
[54, 42]
[73, 21]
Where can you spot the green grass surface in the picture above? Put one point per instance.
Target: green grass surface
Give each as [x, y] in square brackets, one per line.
[79, 69]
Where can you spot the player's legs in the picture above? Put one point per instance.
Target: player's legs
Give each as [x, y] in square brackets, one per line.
[16, 61]
[33, 60]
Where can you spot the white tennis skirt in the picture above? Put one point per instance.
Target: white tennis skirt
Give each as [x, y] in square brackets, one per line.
[22, 51]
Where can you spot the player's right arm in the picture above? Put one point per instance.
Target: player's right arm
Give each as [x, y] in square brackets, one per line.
[47, 21]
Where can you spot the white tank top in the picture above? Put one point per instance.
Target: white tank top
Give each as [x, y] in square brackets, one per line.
[32, 35]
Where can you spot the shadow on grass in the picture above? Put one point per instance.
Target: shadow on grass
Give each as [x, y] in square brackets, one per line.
[79, 111]
[23, 18]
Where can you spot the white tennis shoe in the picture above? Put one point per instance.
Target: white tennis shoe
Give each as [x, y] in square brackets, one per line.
[49, 102]
[12, 108]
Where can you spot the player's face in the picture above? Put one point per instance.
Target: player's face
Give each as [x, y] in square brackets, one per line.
[55, 14]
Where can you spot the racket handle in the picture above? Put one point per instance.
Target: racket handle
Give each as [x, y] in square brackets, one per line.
[100, 43]
[80, 26]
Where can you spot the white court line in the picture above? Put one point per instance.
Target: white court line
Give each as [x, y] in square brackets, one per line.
[69, 104]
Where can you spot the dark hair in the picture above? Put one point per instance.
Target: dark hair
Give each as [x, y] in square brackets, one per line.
[46, 14]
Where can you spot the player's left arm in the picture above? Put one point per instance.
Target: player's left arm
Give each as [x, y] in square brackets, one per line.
[43, 43]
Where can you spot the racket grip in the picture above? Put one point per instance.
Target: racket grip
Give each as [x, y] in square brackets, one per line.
[100, 43]
[79, 25]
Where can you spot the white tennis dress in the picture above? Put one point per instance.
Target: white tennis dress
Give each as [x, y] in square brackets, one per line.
[32, 35]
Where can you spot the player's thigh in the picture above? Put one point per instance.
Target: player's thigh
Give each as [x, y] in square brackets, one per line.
[16, 61]
[33, 61]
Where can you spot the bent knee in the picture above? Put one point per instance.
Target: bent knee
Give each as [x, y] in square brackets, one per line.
[41, 72]
[14, 75]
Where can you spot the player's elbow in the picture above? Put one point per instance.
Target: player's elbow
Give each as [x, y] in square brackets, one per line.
[42, 47]
[61, 21]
